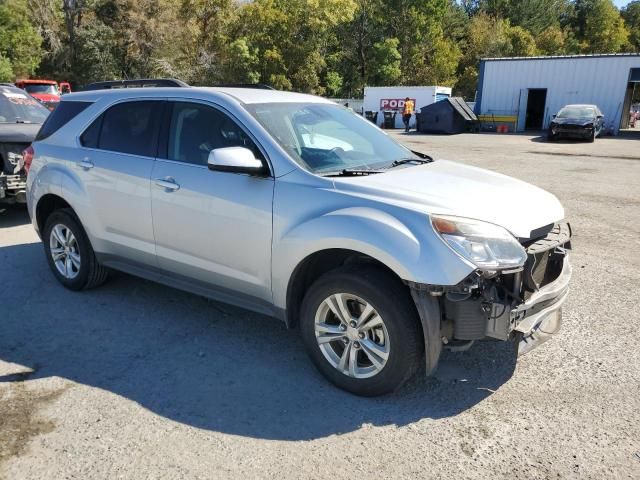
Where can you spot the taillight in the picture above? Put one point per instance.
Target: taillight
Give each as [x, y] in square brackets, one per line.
[27, 157]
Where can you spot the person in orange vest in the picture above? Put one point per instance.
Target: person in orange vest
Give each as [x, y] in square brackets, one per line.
[407, 111]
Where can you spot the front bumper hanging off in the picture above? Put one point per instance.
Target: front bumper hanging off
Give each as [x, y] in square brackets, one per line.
[541, 315]
[525, 305]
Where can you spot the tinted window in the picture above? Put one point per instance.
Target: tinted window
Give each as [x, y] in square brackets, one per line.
[60, 117]
[131, 128]
[197, 129]
[91, 135]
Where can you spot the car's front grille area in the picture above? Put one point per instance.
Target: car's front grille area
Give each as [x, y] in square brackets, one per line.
[545, 258]
[572, 127]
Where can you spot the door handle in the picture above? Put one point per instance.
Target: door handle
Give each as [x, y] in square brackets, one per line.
[167, 183]
[85, 163]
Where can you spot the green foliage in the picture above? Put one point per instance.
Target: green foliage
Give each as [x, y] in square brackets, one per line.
[599, 26]
[333, 82]
[6, 70]
[631, 16]
[385, 60]
[326, 47]
[552, 41]
[521, 42]
[20, 42]
[532, 15]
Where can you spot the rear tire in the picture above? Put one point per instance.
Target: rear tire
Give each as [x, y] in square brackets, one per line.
[69, 252]
[350, 359]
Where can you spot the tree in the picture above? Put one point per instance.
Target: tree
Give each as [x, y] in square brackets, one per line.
[520, 42]
[355, 50]
[6, 70]
[240, 63]
[599, 27]
[532, 15]
[551, 41]
[631, 16]
[296, 37]
[20, 43]
[486, 37]
[333, 82]
[386, 62]
[417, 24]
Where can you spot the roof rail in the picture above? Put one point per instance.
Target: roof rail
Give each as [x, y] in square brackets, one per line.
[140, 82]
[260, 86]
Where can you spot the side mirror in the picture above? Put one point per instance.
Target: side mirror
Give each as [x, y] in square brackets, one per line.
[600, 116]
[235, 160]
[553, 116]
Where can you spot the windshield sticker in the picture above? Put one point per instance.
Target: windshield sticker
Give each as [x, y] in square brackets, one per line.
[14, 95]
[19, 99]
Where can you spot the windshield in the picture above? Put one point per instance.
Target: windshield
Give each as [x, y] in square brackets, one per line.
[18, 107]
[577, 112]
[327, 138]
[41, 88]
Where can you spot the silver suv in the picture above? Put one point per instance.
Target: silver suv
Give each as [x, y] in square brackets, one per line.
[295, 207]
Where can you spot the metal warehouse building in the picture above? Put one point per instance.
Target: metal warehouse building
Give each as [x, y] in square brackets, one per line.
[526, 92]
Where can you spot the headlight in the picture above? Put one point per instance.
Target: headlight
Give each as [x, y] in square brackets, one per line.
[486, 245]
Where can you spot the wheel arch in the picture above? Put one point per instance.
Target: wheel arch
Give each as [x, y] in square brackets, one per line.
[316, 264]
[47, 204]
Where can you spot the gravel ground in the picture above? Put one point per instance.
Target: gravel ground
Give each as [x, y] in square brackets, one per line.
[138, 381]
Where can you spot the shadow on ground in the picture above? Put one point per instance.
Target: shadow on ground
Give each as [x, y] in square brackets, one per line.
[13, 215]
[206, 364]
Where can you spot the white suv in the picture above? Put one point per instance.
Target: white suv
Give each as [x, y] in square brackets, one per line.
[293, 206]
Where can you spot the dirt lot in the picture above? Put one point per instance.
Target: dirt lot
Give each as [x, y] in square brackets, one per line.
[138, 381]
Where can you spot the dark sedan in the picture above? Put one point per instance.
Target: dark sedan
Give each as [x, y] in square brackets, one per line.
[21, 116]
[577, 121]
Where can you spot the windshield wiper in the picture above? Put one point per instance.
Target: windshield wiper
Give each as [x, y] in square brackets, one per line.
[422, 158]
[404, 161]
[352, 172]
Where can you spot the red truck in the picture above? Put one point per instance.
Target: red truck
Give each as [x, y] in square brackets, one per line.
[46, 92]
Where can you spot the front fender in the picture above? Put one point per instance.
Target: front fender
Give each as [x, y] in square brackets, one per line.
[409, 247]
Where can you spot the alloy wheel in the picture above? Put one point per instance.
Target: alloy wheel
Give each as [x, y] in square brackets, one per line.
[64, 251]
[352, 335]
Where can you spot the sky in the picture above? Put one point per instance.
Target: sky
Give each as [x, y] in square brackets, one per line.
[620, 3]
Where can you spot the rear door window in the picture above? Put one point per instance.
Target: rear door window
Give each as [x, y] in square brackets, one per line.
[130, 127]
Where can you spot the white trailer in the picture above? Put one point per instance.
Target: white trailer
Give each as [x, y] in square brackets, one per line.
[391, 99]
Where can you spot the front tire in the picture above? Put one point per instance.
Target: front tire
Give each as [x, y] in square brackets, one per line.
[362, 330]
[69, 252]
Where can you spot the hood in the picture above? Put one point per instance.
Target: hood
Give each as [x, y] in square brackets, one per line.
[573, 120]
[18, 132]
[455, 189]
[46, 97]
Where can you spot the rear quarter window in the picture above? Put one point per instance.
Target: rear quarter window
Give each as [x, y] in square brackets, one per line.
[62, 115]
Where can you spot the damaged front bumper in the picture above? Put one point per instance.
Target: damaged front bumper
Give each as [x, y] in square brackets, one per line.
[541, 315]
[523, 305]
